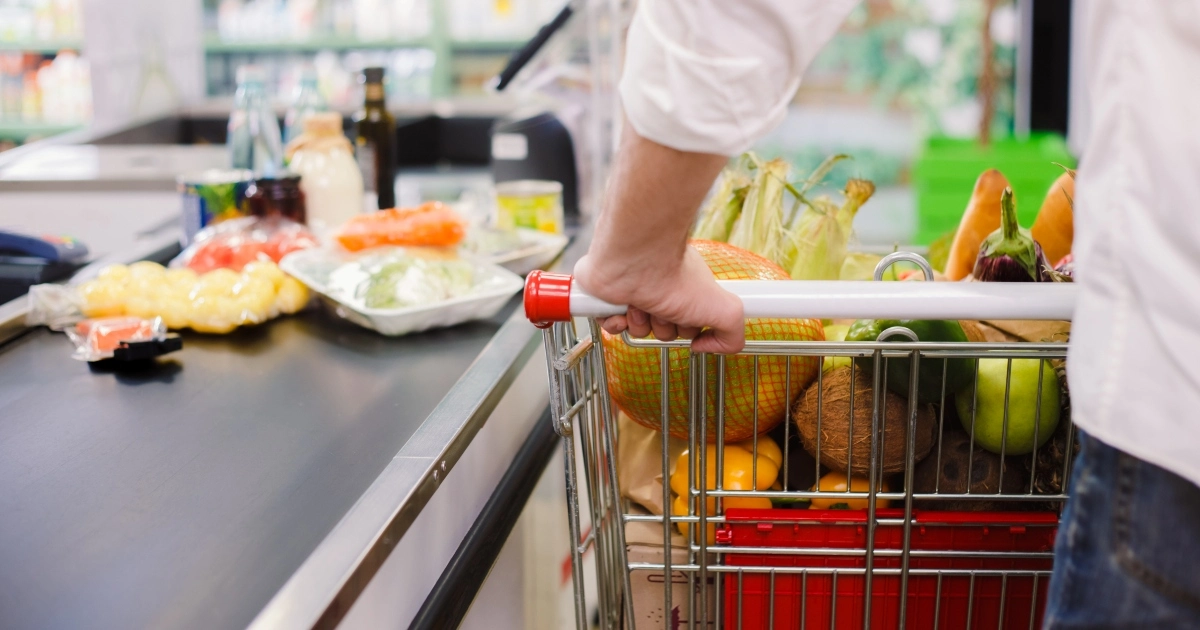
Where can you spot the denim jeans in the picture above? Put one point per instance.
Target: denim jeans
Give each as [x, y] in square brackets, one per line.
[1128, 549]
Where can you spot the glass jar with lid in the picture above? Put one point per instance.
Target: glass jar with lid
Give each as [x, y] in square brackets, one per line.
[277, 197]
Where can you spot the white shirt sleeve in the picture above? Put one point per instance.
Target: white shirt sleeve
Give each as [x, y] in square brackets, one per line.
[714, 76]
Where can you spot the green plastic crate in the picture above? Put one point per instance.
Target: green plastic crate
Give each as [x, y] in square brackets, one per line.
[944, 175]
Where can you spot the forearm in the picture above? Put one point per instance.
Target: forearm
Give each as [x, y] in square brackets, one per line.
[650, 207]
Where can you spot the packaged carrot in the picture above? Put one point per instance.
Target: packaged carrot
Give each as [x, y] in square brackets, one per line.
[431, 224]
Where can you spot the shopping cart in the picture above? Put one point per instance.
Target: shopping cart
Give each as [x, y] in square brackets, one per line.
[912, 564]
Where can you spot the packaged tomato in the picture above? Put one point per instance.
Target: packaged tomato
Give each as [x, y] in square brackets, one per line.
[239, 242]
[431, 224]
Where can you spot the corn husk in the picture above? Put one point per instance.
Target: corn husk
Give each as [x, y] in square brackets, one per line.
[822, 232]
[760, 227]
[718, 216]
[809, 241]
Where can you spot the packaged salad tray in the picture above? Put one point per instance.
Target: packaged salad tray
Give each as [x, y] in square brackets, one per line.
[397, 291]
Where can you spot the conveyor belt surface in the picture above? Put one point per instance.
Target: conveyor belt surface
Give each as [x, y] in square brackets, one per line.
[185, 496]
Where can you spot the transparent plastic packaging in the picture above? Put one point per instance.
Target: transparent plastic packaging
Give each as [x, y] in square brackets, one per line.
[107, 337]
[519, 251]
[214, 302]
[431, 224]
[397, 291]
[239, 242]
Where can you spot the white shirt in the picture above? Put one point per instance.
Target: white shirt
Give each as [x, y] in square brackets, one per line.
[714, 76]
[1134, 362]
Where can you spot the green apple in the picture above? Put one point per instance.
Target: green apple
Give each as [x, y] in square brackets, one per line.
[1023, 414]
[835, 332]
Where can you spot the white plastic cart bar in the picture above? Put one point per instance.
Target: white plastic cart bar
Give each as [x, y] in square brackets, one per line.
[556, 297]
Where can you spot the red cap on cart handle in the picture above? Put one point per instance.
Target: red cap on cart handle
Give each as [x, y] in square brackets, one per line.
[547, 298]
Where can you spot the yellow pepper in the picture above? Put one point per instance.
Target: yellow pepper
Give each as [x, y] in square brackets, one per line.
[739, 474]
[836, 482]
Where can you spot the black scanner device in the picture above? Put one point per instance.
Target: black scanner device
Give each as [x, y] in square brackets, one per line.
[26, 260]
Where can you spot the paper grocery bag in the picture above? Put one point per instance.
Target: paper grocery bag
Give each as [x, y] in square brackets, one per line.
[639, 463]
[644, 545]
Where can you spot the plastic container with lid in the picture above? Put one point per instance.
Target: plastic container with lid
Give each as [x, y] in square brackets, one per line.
[530, 203]
[329, 174]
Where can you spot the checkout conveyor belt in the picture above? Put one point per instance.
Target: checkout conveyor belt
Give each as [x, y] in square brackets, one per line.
[187, 495]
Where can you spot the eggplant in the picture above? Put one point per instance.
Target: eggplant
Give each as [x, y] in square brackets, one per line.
[1010, 254]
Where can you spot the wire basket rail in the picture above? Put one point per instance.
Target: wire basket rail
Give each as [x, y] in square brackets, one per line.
[893, 483]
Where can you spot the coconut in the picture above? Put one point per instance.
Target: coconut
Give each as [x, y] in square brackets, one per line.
[946, 472]
[837, 431]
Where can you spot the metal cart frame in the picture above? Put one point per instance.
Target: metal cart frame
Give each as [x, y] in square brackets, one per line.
[585, 417]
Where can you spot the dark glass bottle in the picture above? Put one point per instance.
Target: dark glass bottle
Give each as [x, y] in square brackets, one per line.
[375, 137]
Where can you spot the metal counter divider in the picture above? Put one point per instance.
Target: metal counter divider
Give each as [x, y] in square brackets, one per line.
[455, 591]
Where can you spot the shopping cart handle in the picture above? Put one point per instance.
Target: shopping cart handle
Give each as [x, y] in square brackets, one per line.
[552, 297]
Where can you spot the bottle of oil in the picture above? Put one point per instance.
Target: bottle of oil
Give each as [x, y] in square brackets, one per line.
[375, 131]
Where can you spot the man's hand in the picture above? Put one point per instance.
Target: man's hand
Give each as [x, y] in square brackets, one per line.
[684, 302]
[639, 254]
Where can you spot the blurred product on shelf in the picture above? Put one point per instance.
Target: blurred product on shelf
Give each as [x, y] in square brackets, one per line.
[474, 20]
[298, 20]
[409, 73]
[375, 133]
[329, 176]
[36, 89]
[306, 102]
[254, 139]
[279, 196]
[39, 20]
[472, 72]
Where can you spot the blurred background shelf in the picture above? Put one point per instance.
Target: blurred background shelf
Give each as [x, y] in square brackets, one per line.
[45, 47]
[215, 45]
[431, 49]
[18, 131]
[487, 45]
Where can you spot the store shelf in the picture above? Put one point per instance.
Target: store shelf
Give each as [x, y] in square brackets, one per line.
[47, 47]
[215, 45]
[487, 45]
[18, 131]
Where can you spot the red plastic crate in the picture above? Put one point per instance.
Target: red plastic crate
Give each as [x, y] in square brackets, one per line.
[812, 598]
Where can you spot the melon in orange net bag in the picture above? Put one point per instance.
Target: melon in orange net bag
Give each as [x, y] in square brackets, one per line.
[635, 380]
